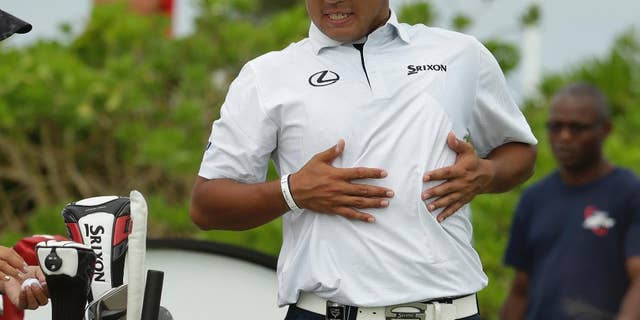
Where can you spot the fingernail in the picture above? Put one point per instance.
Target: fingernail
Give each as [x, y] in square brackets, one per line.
[384, 203]
[390, 194]
[425, 178]
[383, 173]
[21, 275]
[440, 219]
[371, 220]
[426, 196]
[7, 278]
[25, 269]
[431, 207]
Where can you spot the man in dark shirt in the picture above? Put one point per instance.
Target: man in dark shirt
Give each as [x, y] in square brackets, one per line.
[575, 238]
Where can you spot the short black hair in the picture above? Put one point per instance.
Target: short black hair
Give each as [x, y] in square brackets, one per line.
[587, 90]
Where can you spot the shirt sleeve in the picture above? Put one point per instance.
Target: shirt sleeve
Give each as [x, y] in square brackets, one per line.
[496, 119]
[632, 238]
[244, 137]
[517, 254]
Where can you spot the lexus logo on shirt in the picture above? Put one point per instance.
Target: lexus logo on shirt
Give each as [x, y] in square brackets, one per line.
[323, 78]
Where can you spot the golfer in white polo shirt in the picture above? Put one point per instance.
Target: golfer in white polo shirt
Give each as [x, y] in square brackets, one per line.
[361, 121]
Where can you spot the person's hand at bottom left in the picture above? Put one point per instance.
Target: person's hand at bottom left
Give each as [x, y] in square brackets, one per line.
[30, 292]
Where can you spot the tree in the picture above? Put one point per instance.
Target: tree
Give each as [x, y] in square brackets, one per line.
[123, 106]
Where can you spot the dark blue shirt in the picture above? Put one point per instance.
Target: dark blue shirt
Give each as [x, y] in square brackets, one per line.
[573, 242]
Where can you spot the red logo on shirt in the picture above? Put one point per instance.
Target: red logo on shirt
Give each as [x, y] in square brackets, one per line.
[597, 221]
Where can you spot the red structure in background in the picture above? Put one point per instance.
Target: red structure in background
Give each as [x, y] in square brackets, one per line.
[163, 7]
[166, 6]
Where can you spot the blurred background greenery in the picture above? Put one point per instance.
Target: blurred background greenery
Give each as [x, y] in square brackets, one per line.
[125, 107]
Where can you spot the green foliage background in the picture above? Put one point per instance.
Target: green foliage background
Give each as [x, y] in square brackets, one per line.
[125, 107]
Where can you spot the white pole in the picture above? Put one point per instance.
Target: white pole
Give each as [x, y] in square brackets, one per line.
[531, 57]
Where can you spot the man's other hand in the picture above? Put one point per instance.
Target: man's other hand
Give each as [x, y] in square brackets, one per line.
[465, 179]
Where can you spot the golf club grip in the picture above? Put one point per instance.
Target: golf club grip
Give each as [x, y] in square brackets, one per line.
[152, 295]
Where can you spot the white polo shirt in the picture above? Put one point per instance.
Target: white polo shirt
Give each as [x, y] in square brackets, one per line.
[417, 85]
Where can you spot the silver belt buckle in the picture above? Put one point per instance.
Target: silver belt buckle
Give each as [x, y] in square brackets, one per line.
[335, 311]
[408, 311]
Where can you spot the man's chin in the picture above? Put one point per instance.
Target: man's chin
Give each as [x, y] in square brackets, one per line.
[576, 167]
[342, 35]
